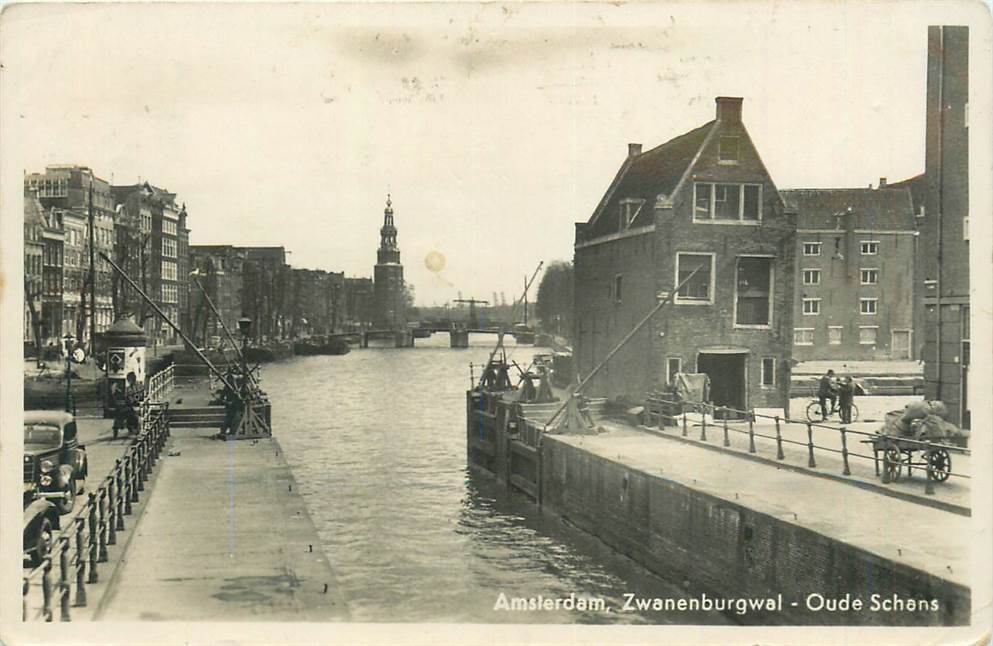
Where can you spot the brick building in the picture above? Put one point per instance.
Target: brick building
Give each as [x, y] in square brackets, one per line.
[855, 256]
[151, 246]
[702, 201]
[358, 303]
[219, 271]
[265, 294]
[317, 301]
[34, 253]
[53, 236]
[78, 196]
[944, 258]
[389, 308]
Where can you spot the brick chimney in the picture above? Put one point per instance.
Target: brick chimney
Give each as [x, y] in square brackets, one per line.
[634, 149]
[882, 182]
[729, 109]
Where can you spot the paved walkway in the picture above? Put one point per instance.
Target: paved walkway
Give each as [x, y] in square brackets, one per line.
[922, 537]
[225, 535]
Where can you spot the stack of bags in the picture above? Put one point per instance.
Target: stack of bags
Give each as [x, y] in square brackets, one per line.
[920, 420]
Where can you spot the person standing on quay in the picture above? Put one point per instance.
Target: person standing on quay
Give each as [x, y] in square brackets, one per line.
[826, 392]
[846, 394]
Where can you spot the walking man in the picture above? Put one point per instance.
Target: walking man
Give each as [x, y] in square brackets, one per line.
[826, 392]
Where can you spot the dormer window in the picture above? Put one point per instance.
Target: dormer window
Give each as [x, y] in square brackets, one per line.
[629, 208]
[727, 152]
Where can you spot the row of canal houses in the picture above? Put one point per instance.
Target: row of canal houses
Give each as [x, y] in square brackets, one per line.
[145, 230]
[781, 276]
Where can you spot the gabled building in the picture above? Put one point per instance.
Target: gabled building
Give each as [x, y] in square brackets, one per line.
[705, 203]
[855, 252]
[79, 196]
[155, 241]
[34, 253]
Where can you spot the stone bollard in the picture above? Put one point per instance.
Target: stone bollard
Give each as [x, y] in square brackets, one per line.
[703, 424]
[64, 578]
[80, 566]
[727, 440]
[685, 425]
[46, 589]
[751, 431]
[844, 452]
[779, 441]
[810, 446]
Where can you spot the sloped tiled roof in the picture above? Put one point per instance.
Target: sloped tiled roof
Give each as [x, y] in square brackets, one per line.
[647, 175]
[883, 209]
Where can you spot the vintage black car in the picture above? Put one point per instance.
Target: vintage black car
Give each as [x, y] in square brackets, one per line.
[54, 460]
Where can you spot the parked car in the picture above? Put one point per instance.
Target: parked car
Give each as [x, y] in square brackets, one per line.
[41, 520]
[54, 460]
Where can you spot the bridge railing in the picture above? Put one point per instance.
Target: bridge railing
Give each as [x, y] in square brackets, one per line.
[60, 582]
[161, 384]
[889, 453]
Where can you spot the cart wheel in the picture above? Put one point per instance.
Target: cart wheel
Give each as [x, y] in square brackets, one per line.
[814, 412]
[941, 465]
[855, 413]
[893, 462]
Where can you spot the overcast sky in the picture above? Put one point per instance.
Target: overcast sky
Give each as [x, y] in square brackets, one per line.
[494, 127]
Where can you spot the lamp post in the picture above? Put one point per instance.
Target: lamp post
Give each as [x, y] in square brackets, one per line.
[244, 326]
[67, 343]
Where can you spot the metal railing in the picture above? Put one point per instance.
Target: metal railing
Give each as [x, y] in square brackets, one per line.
[83, 541]
[160, 384]
[897, 451]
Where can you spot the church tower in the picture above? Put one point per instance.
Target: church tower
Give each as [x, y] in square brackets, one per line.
[388, 291]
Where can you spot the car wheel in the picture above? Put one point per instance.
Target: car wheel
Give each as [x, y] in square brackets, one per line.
[42, 542]
[68, 499]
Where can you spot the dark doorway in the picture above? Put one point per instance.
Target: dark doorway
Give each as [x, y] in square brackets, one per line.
[727, 380]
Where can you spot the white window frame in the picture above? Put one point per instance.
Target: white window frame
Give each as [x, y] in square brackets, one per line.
[174, 272]
[169, 248]
[875, 305]
[668, 361]
[875, 334]
[803, 329]
[677, 299]
[803, 306]
[816, 245]
[772, 285]
[762, 374]
[841, 336]
[814, 272]
[741, 203]
[865, 244]
[862, 279]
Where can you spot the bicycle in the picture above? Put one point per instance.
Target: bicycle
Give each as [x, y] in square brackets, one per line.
[814, 411]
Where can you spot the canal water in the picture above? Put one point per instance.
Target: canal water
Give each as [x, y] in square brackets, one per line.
[376, 441]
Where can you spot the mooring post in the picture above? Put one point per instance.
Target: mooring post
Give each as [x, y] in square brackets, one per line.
[751, 431]
[779, 441]
[844, 451]
[685, 425]
[703, 423]
[727, 440]
[64, 578]
[810, 446]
